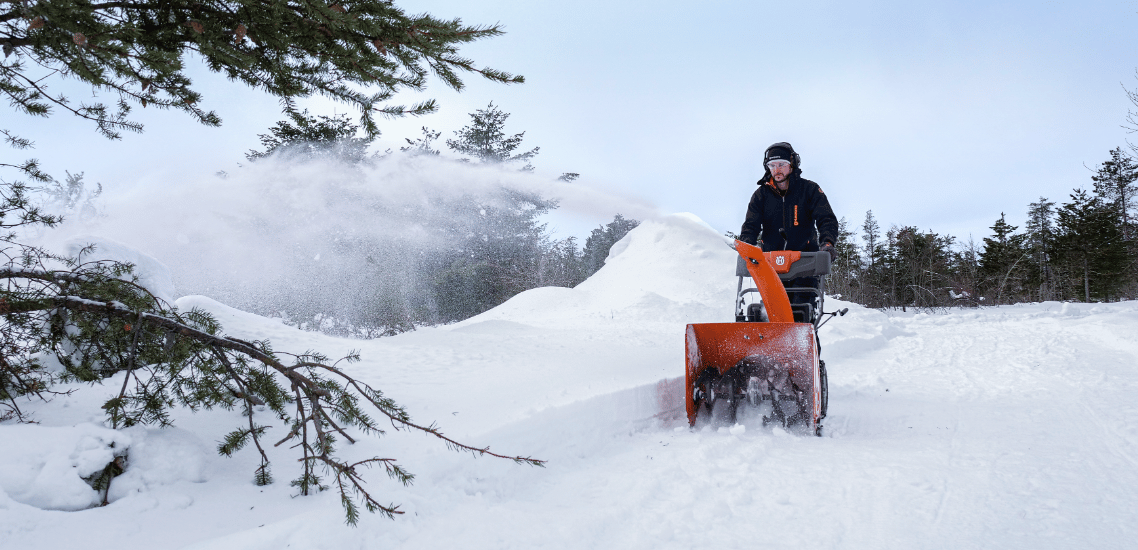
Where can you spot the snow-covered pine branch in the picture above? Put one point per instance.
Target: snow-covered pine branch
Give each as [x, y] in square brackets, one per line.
[97, 321]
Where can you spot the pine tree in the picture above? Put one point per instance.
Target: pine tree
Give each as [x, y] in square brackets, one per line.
[600, 241]
[315, 136]
[1040, 233]
[1116, 182]
[1002, 261]
[873, 278]
[422, 145]
[920, 267]
[357, 53]
[73, 197]
[846, 271]
[871, 235]
[563, 264]
[1089, 249]
[485, 140]
[496, 250]
[966, 279]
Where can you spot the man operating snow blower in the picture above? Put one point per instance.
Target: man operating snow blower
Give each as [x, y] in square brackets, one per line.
[784, 212]
[766, 364]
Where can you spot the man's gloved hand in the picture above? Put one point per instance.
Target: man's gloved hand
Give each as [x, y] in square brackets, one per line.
[829, 249]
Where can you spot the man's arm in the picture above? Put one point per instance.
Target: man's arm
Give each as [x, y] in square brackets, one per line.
[824, 218]
[753, 223]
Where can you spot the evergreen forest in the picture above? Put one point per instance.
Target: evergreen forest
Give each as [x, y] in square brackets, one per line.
[1084, 249]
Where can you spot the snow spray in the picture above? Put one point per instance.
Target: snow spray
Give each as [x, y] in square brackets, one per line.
[285, 234]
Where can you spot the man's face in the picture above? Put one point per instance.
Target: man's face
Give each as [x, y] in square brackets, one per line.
[780, 170]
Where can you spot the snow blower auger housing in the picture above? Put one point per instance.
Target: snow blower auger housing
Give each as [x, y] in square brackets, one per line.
[765, 364]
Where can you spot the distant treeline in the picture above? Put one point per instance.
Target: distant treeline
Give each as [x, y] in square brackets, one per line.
[1085, 249]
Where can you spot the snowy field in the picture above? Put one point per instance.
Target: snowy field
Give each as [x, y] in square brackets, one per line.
[1009, 427]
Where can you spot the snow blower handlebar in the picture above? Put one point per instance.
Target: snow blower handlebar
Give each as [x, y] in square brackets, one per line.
[807, 264]
[767, 280]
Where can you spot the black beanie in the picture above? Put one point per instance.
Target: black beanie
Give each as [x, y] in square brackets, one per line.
[779, 153]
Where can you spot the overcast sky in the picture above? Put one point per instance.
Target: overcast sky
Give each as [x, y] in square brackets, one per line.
[934, 114]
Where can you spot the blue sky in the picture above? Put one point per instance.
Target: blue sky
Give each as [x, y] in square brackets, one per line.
[939, 115]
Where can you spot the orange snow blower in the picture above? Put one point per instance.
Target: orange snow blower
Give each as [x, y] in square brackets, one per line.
[764, 365]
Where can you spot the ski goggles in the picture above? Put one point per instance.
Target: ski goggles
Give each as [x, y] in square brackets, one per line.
[776, 164]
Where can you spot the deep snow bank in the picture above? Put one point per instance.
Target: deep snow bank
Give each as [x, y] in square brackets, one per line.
[675, 269]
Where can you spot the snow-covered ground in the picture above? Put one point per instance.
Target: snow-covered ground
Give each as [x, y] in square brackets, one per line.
[1009, 427]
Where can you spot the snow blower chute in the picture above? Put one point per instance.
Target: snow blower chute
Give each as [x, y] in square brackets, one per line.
[764, 365]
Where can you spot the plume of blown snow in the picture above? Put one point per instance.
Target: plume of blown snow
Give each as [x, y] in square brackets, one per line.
[287, 231]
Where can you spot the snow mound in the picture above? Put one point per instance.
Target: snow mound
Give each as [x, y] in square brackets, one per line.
[861, 331]
[162, 457]
[674, 269]
[226, 315]
[44, 467]
[151, 273]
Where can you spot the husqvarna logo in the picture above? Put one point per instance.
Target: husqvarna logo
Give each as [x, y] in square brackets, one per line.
[779, 260]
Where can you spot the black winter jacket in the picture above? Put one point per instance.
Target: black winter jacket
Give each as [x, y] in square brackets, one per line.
[803, 207]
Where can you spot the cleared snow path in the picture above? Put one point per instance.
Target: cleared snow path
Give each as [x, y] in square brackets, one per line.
[1010, 427]
[1006, 428]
